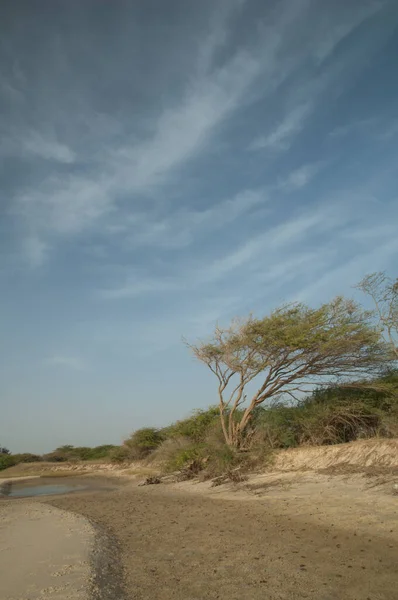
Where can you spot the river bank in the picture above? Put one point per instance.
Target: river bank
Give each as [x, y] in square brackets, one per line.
[311, 538]
[322, 534]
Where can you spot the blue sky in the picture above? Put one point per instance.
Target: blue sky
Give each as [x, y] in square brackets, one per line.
[164, 166]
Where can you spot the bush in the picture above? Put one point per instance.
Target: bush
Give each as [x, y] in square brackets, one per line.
[120, 454]
[72, 453]
[318, 424]
[10, 460]
[26, 458]
[210, 457]
[174, 453]
[55, 457]
[194, 427]
[144, 441]
[276, 426]
[6, 461]
[103, 451]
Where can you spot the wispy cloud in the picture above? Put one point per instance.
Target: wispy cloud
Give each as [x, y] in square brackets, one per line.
[34, 144]
[281, 137]
[125, 173]
[248, 257]
[351, 271]
[300, 177]
[143, 165]
[184, 225]
[68, 362]
[334, 34]
[361, 126]
[49, 149]
[66, 205]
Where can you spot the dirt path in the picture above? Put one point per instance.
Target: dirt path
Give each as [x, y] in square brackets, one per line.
[187, 546]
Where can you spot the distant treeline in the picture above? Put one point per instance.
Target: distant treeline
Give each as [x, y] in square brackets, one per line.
[62, 454]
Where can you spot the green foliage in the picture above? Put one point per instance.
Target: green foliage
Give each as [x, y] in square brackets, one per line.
[194, 427]
[10, 460]
[120, 454]
[144, 441]
[332, 415]
[4, 450]
[72, 453]
[26, 457]
[103, 451]
[55, 457]
[210, 456]
[177, 453]
[6, 461]
[293, 346]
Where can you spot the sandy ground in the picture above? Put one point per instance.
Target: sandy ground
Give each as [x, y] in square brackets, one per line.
[279, 536]
[286, 535]
[44, 553]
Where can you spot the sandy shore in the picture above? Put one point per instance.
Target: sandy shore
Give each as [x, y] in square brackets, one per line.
[318, 538]
[279, 536]
[45, 553]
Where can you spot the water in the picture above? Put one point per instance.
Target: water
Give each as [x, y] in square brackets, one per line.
[44, 488]
[18, 491]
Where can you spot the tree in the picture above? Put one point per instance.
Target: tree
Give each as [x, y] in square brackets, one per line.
[295, 346]
[384, 292]
[4, 450]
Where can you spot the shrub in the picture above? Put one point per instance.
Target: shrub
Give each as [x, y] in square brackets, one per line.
[210, 457]
[103, 451]
[194, 427]
[144, 441]
[276, 426]
[55, 457]
[26, 457]
[10, 460]
[120, 454]
[72, 453]
[6, 461]
[174, 453]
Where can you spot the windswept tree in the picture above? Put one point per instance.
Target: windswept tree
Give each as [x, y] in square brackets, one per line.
[384, 292]
[285, 353]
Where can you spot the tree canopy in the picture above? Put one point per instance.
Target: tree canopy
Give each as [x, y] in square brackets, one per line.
[294, 347]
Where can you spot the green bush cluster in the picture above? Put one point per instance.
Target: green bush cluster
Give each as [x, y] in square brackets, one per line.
[194, 427]
[10, 460]
[6, 461]
[332, 416]
[327, 416]
[72, 453]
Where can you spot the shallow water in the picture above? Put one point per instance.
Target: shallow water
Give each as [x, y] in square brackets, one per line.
[43, 490]
[43, 487]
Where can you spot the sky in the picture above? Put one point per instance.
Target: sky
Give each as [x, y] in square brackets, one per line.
[165, 166]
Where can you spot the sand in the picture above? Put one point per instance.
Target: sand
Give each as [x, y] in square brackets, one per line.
[44, 553]
[281, 536]
[318, 538]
